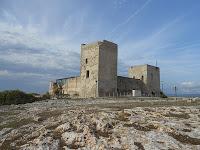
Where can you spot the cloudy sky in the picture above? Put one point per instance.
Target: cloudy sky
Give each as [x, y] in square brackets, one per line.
[40, 40]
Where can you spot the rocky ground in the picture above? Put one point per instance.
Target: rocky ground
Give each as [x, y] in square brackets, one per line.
[118, 124]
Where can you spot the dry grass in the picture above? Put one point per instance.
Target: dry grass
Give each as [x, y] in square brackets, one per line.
[17, 123]
[74, 145]
[139, 145]
[186, 130]
[8, 113]
[181, 116]
[141, 128]
[99, 133]
[47, 114]
[6, 145]
[184, 138]
[123, 116]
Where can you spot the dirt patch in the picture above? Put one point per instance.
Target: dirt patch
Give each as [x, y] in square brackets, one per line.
[57, 136]
[122, 116]
[16, 124]
[141, 128]
[182, 115]
[184, 138]
[47, 114]
[187, 124]
[149, 110]
[99, 133]
[151, 127]
[186, 130]
[8, 113]
[139, 145]
[6, 145]
[74, 145]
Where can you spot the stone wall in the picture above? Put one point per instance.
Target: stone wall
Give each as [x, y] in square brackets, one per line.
[138, 72]
[98, 74]
[150, 75]
[52, 86]
[107, 75]
[72, 86]
[98, 68]
[153, 78]
[89, 69]
[126, 85]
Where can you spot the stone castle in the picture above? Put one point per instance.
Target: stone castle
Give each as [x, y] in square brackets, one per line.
[98, 75]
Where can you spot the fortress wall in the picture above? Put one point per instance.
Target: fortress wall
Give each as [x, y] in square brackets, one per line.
[72, 86]
[150, 75]
[107, 75]
[153, 78]
[89, 69]
[125, 84]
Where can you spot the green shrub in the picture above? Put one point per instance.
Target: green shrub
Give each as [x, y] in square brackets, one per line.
[162, 95]
[46, 96]
[15, 97]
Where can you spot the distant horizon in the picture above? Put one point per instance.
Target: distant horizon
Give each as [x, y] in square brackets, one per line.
[39, 46]
[168, 94]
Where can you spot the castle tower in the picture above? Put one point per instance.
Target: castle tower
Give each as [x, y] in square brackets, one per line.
[150, 75]
[98, 71]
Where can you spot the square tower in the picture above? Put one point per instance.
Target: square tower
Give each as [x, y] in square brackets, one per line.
[150, 75]
[98, 71]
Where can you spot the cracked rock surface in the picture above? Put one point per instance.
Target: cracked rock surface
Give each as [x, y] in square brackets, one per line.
[98, 124]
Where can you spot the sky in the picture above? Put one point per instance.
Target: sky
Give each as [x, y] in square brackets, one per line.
[40, 41]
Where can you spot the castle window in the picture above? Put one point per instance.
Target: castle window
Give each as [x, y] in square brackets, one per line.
[142, 78]
[86, 60]
[87, 74]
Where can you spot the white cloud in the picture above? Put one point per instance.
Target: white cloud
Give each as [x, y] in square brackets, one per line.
[21, 45]
[190, 87]
[4, 73]
[187, 83]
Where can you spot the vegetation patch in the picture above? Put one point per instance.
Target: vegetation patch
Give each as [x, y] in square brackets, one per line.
[9, 97]
[57, 135]
[47, 114]
[139, 145]
[52, 127]
[187, 124]
[141, 128]
[6, 145]
[123, 116]
[186, 130]
[16, 124]
[184, 138]
[99, 133]
[182, 115]
[8, 113]
[149, 110]
[74, 145]
[15, 97]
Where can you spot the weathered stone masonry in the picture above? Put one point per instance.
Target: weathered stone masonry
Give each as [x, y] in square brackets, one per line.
[98, 75]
